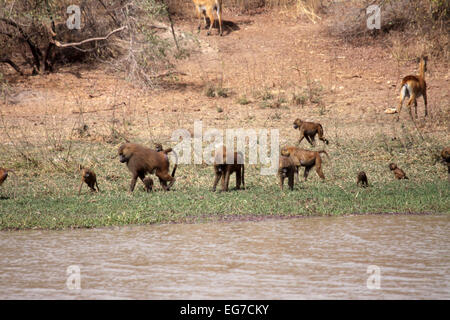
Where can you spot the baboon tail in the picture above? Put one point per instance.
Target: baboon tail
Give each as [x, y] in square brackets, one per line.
[320, 132]
[176, 163]
[323, 151]
[243, 176]
[10, 170]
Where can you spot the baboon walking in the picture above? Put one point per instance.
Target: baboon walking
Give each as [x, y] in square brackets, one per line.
[141, 160]
[223, 169]
[309, 130]
[305, 158]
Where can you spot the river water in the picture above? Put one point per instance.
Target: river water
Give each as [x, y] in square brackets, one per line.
[347, 257]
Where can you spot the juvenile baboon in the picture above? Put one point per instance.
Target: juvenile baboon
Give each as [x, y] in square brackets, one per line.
[88, 176]
[398, 173]
[309, 130]
[445, 154]
[362, 179]
[223, 169]
[141, 160]
[205, 8]
[148, 184]
[4, 174]
[286, 169]
[305, 158]
[413, 87]
[159, 148]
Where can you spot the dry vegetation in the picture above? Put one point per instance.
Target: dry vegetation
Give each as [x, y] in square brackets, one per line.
[277, 61]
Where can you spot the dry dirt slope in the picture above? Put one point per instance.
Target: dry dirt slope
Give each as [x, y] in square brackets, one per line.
[264, 53]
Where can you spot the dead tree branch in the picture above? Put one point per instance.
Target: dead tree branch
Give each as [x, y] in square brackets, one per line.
[74, 44]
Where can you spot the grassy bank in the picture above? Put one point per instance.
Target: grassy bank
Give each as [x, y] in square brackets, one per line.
[45, 198]
[111, 208]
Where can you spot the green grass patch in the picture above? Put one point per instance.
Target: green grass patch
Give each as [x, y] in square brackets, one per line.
[45, 196]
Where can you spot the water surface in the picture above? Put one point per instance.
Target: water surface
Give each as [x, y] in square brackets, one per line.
[305, 258]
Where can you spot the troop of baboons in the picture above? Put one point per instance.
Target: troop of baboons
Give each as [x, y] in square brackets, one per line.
[142, 160]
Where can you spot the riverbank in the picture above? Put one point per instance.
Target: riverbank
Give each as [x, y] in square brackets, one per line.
[191, 205]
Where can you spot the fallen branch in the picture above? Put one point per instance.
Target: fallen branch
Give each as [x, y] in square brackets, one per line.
[12, 64]
[73, 44]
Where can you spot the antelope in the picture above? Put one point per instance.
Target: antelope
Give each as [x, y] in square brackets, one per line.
[413, 87]
[205, 8]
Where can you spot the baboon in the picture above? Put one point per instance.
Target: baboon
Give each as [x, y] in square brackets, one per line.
[398, 173]
[148, 184]
[362, 179]
[141, 160]
[286, 169]
[88, 176]
[309, 130]
[205, 8]
[159, 148]
[305, 158]
[4, 174]
[223, 170]
[413, 87]
[445, 158]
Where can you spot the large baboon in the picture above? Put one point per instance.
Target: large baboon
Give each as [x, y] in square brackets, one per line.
[305, 158]
[141, 160]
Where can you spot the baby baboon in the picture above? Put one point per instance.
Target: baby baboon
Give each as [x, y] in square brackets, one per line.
[362, 179]
[148, 184]
[88, 176]
[399, 173]
[305, 158]
[159, 148]
[141, 160]
[309, 130]
[445, 158]
[286, 169]
[223, 170]
[4, 174]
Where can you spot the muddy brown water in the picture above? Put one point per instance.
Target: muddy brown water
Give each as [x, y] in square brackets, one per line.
[305, 258]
